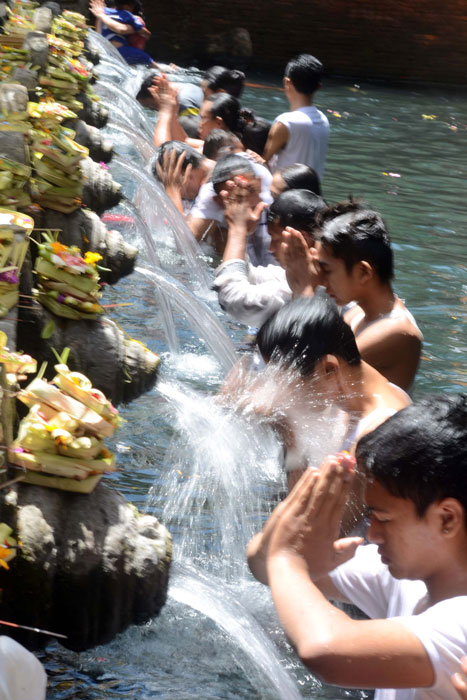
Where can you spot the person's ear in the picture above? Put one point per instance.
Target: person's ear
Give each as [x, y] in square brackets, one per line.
[450, 517]
[364, 271]
[329, 365]
[220, 122]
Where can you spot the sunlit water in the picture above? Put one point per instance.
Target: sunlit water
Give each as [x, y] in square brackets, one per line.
[209, 474]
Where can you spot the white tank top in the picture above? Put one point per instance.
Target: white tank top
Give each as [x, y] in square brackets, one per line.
[308, 139]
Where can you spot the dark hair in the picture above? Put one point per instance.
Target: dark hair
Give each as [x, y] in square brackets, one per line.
[143, 92]
[305, 72]
[300, 177]
[297, 208]
[228, 108]
[192, 157]
[305, 330]
[220, 78]
[420, 453]
[360, 235]
[190, 124]
[217, 140]
[255, 132]
[227, 167]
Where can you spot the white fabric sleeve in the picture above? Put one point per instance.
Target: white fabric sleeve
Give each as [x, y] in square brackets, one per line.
[22, 676]
[442, 629]
[365, 581]
[205, 206]
[247, 301]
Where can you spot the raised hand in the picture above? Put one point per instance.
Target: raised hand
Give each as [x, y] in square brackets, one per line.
[300, 262]
[97, 7]
[309, 520]
[237, 210]
[165, 94]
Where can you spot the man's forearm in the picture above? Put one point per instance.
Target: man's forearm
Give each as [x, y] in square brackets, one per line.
[162, 130]
[308, 618]
[117, 27]
[235, 248]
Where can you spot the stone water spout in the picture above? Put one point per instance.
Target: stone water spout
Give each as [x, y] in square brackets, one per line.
[84, 229]
[100, 148]
[89, 565]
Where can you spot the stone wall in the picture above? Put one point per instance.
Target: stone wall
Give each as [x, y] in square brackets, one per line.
[389, 39]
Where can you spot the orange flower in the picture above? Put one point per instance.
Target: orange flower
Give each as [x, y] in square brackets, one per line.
[58, 247]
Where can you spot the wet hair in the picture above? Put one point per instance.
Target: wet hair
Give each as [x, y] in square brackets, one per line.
[255, 131]
[420, 453]
[192, 157]
[305, 73]
[360, 235]
[219, 140]
[300, 176]
[143, 92]
[190, 124]
[220, 78]
[303, 331]
[228, 108]
[228, 167]
[297, 208]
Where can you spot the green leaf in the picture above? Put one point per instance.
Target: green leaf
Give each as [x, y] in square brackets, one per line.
[48, 329]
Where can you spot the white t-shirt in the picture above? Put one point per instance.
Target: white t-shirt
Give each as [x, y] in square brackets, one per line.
[251, 294]
[441, 628]
[22, 676]
[206, 207]
[308, 139]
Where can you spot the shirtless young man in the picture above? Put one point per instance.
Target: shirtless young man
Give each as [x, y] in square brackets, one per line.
[411, 581]
[301, 135]
[356, 261]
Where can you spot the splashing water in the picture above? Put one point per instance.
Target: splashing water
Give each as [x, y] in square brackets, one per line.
[221, 466]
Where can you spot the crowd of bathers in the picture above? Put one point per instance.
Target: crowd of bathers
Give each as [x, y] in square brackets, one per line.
[312, 282]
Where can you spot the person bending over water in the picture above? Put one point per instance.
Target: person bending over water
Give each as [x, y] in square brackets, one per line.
[301, 135]
[182, 171]
[309, 337]
[411, 580]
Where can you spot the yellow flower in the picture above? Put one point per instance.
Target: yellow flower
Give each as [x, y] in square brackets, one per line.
[91, 258]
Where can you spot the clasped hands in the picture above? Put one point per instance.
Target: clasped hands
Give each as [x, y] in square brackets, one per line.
[305, 527]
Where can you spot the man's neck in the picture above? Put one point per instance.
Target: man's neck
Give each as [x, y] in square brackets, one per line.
[298, 99]
[362, 383]
[377, 301]
[450, 581]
